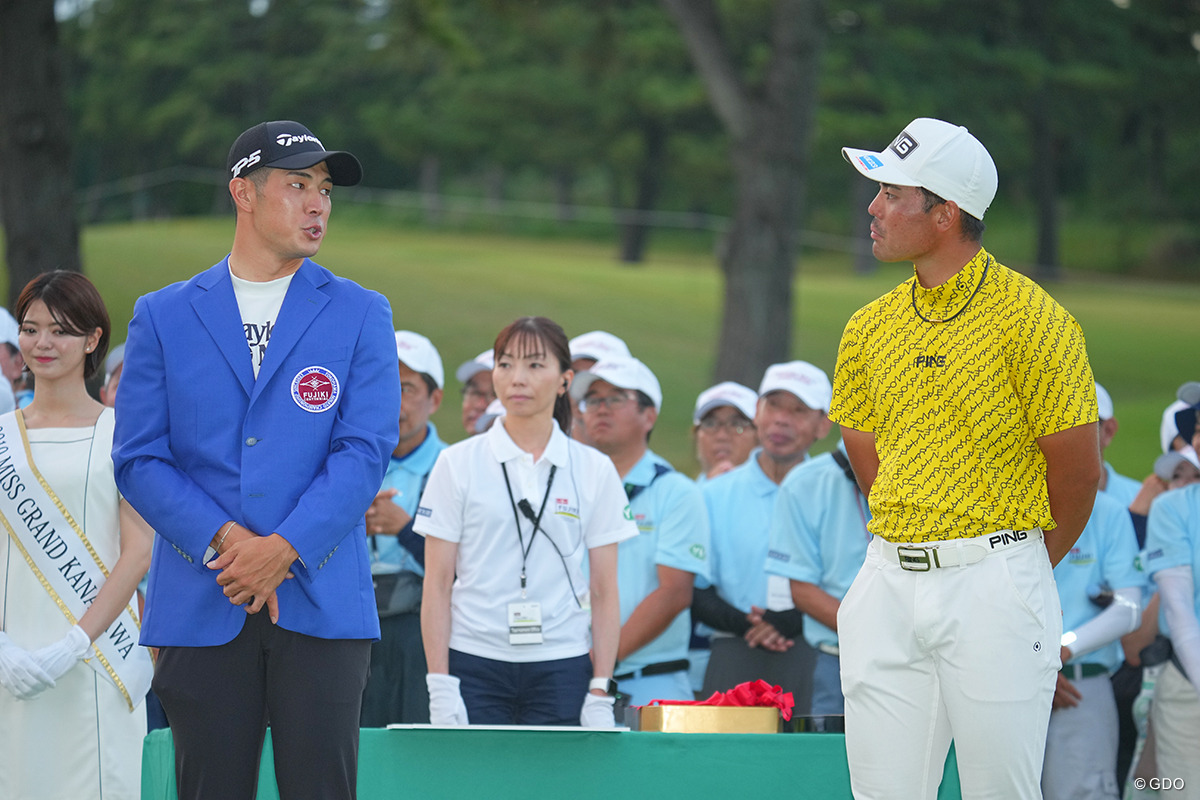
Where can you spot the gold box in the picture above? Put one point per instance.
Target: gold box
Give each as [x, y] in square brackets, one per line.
[709, 719]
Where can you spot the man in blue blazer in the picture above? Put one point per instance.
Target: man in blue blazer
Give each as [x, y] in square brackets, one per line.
[257, 411]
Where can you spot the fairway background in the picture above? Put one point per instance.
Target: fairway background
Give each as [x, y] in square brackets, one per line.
[460, 288]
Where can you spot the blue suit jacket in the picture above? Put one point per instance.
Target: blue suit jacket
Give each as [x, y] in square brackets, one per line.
[199, 441]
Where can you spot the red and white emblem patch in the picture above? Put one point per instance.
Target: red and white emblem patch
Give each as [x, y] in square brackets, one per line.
[315, 389]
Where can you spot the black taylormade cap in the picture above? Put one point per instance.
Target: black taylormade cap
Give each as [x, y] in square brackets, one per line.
[289, 145]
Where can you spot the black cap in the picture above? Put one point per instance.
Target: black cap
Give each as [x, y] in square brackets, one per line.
[289, 145]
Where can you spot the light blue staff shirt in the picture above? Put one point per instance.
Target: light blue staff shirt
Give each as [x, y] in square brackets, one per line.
[740, 503]
[406, 475]
[1119, 487]
[1105, 553]
[1173, 539]
[818, 533]
[672, 531]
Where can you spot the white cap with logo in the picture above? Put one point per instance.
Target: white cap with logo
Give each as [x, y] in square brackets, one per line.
[600, 345]
[943, 158]
[805, 381]
[419, 355]
[727, 393]
[484, 362]
[624, 373]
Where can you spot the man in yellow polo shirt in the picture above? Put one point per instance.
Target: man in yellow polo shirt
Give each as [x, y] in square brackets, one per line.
[968, 411]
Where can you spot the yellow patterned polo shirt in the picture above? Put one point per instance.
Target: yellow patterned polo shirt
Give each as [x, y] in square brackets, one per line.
[957, 383]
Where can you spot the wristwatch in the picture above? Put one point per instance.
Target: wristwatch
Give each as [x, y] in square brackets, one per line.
[606, 685]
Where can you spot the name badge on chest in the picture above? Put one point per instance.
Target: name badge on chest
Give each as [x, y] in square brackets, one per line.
[524, 623]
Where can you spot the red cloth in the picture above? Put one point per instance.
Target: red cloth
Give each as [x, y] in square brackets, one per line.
[755, 693]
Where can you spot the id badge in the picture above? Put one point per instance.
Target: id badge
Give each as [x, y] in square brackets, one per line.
[525, 623]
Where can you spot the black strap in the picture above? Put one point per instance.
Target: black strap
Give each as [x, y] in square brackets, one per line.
[537, 521]
[632, 490]
[844, 463]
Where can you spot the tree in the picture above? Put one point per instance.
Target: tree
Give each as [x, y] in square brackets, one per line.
[37, 198]
[767, 107]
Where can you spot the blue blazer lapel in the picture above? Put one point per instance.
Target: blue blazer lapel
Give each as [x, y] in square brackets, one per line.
[217, 309]
[303, 301]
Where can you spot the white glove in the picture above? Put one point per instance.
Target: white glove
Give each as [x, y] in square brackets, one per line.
[597, 711]
[60, 656]
[446, 705]
[20, 673]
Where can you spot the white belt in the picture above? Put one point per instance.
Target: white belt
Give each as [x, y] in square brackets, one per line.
[927, 556]
[829, 649]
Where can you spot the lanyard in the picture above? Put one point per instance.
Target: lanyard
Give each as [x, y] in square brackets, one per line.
[528, 511]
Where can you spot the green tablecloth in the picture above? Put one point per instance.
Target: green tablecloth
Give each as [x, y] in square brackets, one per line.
[435, 763]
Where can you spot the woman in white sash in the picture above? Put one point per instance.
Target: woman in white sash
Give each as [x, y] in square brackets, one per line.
[71, 724]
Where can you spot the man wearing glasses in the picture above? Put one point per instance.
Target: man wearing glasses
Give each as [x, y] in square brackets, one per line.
[656, 569]
[757, 627]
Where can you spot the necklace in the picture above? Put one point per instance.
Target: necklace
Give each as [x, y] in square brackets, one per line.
[979, 285]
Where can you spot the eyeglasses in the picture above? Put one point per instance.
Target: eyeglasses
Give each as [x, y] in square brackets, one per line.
[736, 427]
[612, 402]
[473, 393]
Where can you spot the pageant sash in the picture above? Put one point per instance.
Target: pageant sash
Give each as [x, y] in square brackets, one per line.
[64, 561]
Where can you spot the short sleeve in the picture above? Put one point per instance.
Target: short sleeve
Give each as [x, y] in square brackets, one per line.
[684, 536]
[1167, 541]
[440, 510]
[1050, 371]
[852, 404]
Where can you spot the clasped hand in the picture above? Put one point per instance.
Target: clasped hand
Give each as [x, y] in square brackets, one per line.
[763, 634]
[252, 567]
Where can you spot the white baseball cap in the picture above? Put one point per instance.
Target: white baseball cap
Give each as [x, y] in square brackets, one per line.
[9, 329]
[1104, 402]
[1185, 418]
[1164, 465]
[1168, 430]
[727, 393]
[624, 373]
[599, 345]
[115, 358]
[807, 382]
[419, 355]
[484, 421]
[943, 158]
[484, 362]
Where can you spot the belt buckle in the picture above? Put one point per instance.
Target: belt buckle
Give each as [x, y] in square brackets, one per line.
[914, 559]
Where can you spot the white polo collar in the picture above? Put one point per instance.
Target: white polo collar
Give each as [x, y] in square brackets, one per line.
[504, 449]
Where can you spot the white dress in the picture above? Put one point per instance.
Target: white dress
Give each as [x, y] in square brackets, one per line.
[79, 740]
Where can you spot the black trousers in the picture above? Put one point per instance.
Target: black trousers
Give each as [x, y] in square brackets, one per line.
[220, 699]
[396, 690]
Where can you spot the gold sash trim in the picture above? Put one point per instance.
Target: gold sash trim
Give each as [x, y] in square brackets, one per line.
[131, 674]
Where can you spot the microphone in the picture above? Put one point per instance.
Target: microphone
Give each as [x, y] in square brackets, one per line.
[527, 510]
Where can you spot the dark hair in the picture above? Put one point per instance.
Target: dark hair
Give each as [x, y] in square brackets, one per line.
[529, 335]
[75, 304]
[971, 228]
[430, 384]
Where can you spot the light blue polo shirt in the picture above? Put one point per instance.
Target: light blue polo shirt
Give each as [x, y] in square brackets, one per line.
[740, 503]
[1119, 487]
[1106, 552]
[407, 476]
[818, 533]
[672, 531]
[1173, 539]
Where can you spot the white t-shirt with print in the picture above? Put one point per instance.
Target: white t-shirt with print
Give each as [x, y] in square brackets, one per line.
[259, 303]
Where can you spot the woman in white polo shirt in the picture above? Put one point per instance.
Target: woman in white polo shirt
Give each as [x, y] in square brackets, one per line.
[508, 616]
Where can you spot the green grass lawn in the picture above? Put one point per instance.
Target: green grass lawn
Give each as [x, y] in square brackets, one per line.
[461, 288]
